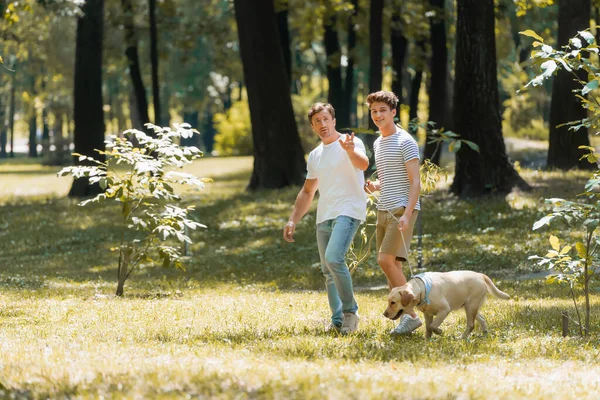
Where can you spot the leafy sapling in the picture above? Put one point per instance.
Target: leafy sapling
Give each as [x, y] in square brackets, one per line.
[151, 221]
[574, 268]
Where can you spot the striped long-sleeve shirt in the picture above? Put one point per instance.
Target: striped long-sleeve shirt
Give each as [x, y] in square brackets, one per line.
[391, 154]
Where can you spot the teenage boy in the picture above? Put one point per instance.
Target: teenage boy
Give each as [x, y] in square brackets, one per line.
[335, 168]
[397, 162]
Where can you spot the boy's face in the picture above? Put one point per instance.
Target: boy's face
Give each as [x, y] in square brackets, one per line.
[323, 124]
[381, 114]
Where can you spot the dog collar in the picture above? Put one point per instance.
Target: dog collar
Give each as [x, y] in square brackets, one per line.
[426, 279]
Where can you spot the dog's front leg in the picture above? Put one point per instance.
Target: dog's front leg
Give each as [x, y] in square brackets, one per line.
[428, 319]
[437, 321]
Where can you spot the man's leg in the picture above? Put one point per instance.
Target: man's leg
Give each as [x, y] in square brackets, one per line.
[344, 229]
[324, 230]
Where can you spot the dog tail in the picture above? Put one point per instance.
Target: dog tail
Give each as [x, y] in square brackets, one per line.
[493, 289]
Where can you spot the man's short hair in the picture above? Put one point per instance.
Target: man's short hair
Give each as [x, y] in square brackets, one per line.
[383, 96]
[318, 107]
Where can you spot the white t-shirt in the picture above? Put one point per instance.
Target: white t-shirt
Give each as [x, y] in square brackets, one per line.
[391, 154]
[340, 183]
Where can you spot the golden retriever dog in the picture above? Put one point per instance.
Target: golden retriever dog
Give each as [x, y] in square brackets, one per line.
[438, 293]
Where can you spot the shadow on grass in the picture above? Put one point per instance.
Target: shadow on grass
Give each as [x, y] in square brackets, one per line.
[243, 242]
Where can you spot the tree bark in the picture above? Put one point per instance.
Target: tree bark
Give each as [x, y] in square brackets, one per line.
[33, 135]
[284, 38]
[278, 154]
[333, 66]
[563, 151]
[131, 51]
[88, 112]
[399, 47]
[32, 122]
[154, 61]
[3, 132]
[375, 69]
[12, 110]
[208, 131]
[415, 85]
[476, 106]
[438, 79]
[348, 96]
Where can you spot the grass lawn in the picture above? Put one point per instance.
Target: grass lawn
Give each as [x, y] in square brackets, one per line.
[246, 319]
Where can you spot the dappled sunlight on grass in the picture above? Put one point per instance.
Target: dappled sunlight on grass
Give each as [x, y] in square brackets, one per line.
[247, 317]
[233, 340]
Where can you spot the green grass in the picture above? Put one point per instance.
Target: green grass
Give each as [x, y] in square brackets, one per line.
[246, 319]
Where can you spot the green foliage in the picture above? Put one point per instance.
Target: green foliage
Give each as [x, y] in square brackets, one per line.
[522, 109]
[234, 131]
[583, 216]
[145, 191]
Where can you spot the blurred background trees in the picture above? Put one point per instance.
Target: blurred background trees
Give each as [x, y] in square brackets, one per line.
[247, 84]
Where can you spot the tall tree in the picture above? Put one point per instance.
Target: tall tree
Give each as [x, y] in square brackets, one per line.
[438, 95]
[3, 136]
[32, 122]
[347, 116]
[154, 61]
[12, 107]
[399, 48]
[420, 55]
[476, 106]
[563, 151]
[139, 100]
[375, 68]
[284, 35]
[88, 113]
[278, 154]
[375, 47]
[333, 65]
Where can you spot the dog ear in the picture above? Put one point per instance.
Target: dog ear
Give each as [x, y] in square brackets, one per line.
[407, 296]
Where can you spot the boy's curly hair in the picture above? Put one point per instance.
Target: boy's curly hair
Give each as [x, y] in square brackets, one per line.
[383, 96]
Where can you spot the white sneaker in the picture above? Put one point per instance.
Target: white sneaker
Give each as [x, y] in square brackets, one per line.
[350, 323]
[407, 325]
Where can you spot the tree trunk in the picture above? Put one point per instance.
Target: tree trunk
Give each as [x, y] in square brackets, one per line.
[413, 100]
[438, 83]
[375, 69]
[476, 106]
[208, 131]
[399, 47]
[45, 132]
[32, 122]
[278, 154]
[33, 135]
[123, 270]
[3, 133]
[12, 110]
[88, 113]
[284, 38]
[154, 61]
[563, 151]
[131, 51]
[348, 95]
[333, 66]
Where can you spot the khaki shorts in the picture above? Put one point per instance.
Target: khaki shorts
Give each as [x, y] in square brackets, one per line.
[389, 239]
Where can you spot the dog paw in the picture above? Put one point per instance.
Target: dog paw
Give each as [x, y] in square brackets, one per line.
[437, 331]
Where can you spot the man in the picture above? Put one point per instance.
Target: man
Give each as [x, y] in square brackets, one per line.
[397, 162]
[335, 168]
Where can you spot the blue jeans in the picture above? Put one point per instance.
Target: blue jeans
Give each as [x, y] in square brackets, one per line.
[333, 239]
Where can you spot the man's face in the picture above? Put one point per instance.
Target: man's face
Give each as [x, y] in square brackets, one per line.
[323, 124]
[381, 114]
